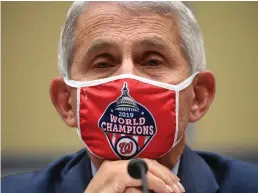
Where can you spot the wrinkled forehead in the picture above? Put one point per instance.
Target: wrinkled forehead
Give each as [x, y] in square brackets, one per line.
[114, 20]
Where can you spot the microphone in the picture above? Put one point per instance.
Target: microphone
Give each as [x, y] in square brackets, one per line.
[137, 168]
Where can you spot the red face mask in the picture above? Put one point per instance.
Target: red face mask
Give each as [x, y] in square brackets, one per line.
[127, 116]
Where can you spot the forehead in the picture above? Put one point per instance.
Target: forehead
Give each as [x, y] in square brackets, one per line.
[111, 20]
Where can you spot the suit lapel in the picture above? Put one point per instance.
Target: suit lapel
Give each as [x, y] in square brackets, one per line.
[78, 175]
[195, 174]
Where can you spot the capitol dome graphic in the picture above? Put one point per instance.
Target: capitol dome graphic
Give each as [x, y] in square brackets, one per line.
[128, 125]
[126, 102]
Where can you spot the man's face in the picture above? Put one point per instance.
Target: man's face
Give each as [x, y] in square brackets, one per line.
[111, 41]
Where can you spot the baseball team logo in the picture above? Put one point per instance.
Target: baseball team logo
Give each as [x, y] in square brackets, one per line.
[128, 125]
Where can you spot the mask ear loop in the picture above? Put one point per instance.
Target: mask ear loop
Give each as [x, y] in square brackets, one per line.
[177, 120]
[175, 142]
[186, 82]
[177, 123]
[78, 95]
[180, 87]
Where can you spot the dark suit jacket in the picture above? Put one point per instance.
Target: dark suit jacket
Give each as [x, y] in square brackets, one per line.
[199, 173]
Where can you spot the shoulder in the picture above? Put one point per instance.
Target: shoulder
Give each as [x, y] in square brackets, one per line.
[46, 180]
[232, 175]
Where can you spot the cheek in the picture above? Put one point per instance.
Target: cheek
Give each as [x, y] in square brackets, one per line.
[184, 109]
[73, 100]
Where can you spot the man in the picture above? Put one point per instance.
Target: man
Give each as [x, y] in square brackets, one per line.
[133, 78]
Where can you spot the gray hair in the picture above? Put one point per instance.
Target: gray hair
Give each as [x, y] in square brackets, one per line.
[191, 37]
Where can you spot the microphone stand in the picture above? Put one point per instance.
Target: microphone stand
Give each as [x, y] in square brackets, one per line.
[144, 180]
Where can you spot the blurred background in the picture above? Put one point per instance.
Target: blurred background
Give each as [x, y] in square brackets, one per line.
[34, 135]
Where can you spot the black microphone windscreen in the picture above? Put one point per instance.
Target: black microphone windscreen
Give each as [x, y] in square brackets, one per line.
[135, 166]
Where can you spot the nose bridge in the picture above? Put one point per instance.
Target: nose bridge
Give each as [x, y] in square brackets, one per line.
[127, 66]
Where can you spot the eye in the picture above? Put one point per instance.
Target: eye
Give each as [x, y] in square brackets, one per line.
[152, 62]
[104, 61]
[102, 65]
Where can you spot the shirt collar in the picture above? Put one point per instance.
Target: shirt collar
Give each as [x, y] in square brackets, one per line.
[174, 169]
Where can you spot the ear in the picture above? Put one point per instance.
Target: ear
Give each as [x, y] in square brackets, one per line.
[204, 92]
[60, 95]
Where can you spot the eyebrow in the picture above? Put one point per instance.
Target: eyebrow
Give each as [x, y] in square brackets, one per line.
[148, 42]
[158, 44]
[153, 42]
[100, 44]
